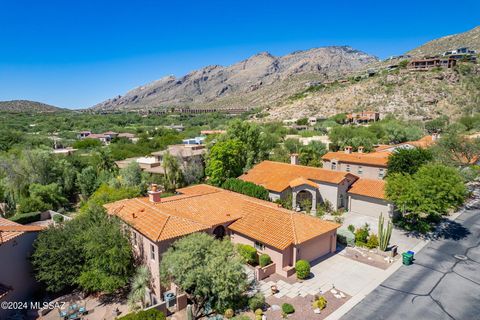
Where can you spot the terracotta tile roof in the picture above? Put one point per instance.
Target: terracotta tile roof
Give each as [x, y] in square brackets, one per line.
[202, 207]
[379, 159]
[277, 176]
[368, 188]
[424, 142]
[10, 230]
[301, 181]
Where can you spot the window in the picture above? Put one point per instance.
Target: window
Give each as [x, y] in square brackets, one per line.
[348, 168]
[360, 169]
[152, 251]
[381, 173]
[259, 246]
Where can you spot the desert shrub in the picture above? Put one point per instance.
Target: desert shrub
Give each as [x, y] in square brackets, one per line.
[346, 237]
[58, 218]
[302, 268]
[288, 308]
[256, 302]
[320, 303]
[248, 253]
[361, 235]
[372, 241]
[351, 228]
[229, 313]
[264, 260]
[24, 218]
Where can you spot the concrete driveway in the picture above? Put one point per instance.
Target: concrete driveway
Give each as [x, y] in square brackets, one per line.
[401, 238]
[443, 282]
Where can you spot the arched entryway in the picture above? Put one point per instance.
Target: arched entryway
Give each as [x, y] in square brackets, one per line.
[219, 232]
[304, 196]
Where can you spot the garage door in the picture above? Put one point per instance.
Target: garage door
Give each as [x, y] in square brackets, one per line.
[369, 206]
[315, 248]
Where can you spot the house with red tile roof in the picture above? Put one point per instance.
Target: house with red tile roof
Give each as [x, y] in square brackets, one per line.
[286, 236]
[16, 280]
[317, 185]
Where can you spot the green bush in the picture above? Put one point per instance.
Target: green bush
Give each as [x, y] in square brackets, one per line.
[150, 314]
[346, 237]
[256, 302]
[372, 241]
[288, 308]
[361, 235]
[248, 253]
[58, 218]
[229, 313]
[246, 188]
[242, 317]
[264, 260]
[24, 218]
[302, 268]
[351, 228]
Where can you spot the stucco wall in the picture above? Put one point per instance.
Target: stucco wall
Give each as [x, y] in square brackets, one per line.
[317, 247]
[16, 270]
[368, 206]
[368, 171]
[279, 257]
[274, 195]
[329, 192]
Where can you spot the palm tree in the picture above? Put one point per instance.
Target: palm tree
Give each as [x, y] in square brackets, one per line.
[139, 286]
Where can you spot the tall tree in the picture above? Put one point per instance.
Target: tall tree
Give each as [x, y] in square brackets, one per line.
[408, 160]
[173, 175]
[192, 263]
[226, 159]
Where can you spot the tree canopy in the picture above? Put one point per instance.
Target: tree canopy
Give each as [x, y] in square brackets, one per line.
[226, 159]
[208, 270]
[408, 160]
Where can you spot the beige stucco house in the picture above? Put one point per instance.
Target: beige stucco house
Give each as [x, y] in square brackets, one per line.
[16, 277]
[285, 235]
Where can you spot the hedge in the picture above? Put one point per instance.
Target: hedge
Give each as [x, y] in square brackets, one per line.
[150, 314]
[264, 260]
[246, 188]
[302, 268]
[346, 237]
[24, 218]
[248, 253]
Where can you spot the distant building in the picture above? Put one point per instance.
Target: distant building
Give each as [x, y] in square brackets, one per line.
[312, 121]
[83, 134]
[430, 63]
[196, 140]
[306, 140]
[363, 117]
[208, 132]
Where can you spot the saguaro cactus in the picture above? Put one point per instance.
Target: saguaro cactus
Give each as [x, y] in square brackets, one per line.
[384, 235]
[189, 312]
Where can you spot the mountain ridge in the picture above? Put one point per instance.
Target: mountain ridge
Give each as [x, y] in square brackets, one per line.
[209, 85]
[27, 106]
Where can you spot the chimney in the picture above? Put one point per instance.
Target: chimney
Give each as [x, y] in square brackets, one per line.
[360, 149]
[294, 158]
[348, 149]
[154, 194]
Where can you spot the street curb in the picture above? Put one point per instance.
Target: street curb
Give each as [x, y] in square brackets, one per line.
[356, 299]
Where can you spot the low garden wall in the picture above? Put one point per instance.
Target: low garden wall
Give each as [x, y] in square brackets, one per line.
[264, 272]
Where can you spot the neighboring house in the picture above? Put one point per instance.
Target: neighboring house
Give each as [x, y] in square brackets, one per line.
[83, 134]
[372, 165]
[185, 153]
[306, 140]
[286, 236]
[196, 140]
[16, 280]
[430, 63]
[367, 197]
[363, 117]
[129, 136]
[312, 121]
[105, 139]
[317, 185]
[111, 134]
[425, 142]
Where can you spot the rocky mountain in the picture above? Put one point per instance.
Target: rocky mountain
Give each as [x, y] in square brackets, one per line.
[469, 39]
[26, 106]
[260, 80]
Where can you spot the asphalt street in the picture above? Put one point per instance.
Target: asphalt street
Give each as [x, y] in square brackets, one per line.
[443, 282]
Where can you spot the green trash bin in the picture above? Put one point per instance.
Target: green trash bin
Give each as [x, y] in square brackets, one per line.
[407, 258]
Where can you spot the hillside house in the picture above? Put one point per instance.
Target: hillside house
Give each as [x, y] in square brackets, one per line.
[372, 165]
[155, 223]
[16, 276]
[363, 117]
[430, 63]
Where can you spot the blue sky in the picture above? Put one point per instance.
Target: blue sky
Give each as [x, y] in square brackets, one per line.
[77, 53]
